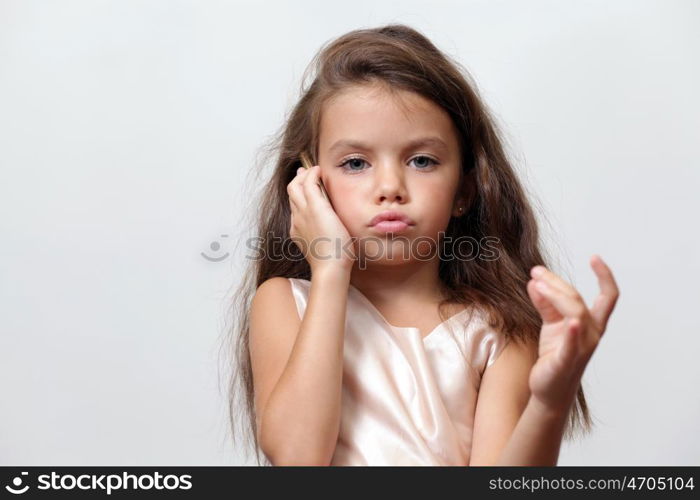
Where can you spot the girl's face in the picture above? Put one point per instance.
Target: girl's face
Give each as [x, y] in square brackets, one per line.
[372, 161]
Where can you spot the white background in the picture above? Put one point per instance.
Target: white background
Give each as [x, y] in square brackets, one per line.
[128, 130]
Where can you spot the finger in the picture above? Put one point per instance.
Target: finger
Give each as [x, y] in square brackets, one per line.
[547, 311]
[296, 197]
[322, 188]
[293, 203]
[609, 291]
[312, 187]
[564, 303]
[569, 346]
[542, 273]
[310, 176]
[296, 191]
[306, 184]
[291, 188]
[300, 174]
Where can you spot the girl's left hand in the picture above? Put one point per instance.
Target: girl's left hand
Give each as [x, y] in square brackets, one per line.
[570, 332]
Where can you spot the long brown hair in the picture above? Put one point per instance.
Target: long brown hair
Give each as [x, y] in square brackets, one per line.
[400, 58]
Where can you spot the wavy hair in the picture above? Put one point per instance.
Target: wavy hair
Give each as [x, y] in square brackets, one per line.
[399, 58]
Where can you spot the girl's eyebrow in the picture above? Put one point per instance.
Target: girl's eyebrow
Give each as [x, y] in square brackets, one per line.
[421, 141]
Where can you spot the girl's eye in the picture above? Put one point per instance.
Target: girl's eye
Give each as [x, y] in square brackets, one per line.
[421, 166]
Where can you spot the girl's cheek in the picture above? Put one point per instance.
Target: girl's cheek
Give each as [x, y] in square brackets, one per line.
[349, 214]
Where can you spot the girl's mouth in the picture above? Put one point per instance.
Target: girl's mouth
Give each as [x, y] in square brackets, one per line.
[390, 226]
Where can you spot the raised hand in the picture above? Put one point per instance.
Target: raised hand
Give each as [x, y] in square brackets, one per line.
[570, 332]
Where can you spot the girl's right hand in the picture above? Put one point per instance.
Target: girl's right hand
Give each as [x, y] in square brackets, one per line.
[315, 227]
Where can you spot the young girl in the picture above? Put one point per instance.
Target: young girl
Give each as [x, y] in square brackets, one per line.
[414, 320]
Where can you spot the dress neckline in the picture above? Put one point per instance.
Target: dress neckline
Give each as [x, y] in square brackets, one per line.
[376, 311]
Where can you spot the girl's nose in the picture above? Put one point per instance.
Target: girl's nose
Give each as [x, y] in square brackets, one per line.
[390, 183]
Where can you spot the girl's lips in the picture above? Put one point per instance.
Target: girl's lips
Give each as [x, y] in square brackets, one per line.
[391, 226]
[390, 215]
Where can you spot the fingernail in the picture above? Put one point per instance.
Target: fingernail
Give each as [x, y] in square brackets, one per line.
[537, 271]
[541, 286]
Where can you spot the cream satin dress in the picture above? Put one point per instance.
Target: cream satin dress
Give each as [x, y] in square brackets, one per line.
[408, 399]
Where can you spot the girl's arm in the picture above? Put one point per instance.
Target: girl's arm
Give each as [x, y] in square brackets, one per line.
[510, 426]
[569, 336]
[298, 367]
[537, 437]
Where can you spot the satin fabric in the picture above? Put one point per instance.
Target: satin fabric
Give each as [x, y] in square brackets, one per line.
[408, 399]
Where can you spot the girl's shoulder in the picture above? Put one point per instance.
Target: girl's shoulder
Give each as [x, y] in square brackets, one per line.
[481, 343]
